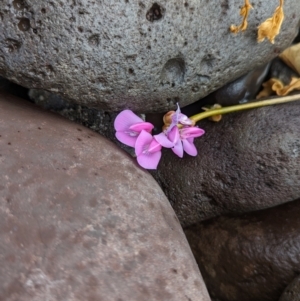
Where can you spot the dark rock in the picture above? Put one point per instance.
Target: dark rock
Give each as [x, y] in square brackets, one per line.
[12, 88]
[50, 101]
[292, 292]
[241, 90]
[251, 257]
[281, 71]
[297, 39]
[79, 220]
[99, 121]
[238, 91]
[141, 55]
[248, 161]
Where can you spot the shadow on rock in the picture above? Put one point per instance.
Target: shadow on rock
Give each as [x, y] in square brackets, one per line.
[250, 257]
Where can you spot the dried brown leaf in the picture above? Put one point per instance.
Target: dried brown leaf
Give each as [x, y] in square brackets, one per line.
[293, 85]
[244, 12]
[291, 56]
[270, 28]
[269, 88]
[275, 86]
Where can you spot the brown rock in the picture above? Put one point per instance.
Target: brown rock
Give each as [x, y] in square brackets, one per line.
[80, 221]
[292, 292]
[248, 161]
[251, 257]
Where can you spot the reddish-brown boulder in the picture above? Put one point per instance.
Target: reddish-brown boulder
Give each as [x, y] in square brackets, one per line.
[292, 292]
[79, 220]
[251, 257]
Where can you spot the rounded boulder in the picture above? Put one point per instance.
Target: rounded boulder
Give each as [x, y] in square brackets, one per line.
[248, 161]
[79, 220]
[250, 257]
[140, 55]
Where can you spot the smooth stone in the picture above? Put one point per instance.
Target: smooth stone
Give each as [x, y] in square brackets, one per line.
[292, 292]
[241, 90]
[140, 55]
[250, 257]
[79, 220]
[282, 71]
[248, 161]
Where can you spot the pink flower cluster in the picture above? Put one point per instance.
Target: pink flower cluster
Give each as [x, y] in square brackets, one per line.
[179, 136]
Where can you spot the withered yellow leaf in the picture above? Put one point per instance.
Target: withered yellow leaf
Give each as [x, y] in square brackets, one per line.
[291, 56]
[275, 86]
[244, 12]
[292, 86]
[270, 28]
[270, 87]
[215, 118]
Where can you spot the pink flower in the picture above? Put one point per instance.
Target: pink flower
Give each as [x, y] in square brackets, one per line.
[179, 136]
[180, 140]
[178, 118]
[129, 126]
[184, 120]
[187, 135]
[147, 150]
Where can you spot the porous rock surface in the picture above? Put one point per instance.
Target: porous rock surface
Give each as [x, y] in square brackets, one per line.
[142, 55]
[80, 221]
[292, 292]
[251, 257]
[248, 161]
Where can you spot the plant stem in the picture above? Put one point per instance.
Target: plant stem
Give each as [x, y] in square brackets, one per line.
[245, 106]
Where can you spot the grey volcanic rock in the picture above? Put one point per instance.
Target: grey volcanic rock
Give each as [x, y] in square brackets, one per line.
[141, 55]
[292, 292]
[80, 221]
[248, 161]
[241, 90]
[251, 257]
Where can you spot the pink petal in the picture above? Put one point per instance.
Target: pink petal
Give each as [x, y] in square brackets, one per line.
[126, 139]
[183, 119]
[163, 140]
[154, 146]
[138, 127]
[178, 149]
[149, 161]
[189, 147]
[142, 142]
[175, 118]
[174, 135]
[125, 119]
[191, 132]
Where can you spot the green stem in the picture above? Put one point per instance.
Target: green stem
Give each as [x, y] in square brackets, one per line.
[245, 106]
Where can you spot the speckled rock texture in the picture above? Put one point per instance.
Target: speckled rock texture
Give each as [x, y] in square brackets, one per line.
[241, 90]
[100, 121]
[292, 292]
[248, 161]
[251, 257]
[80, 221]
[142, 55]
